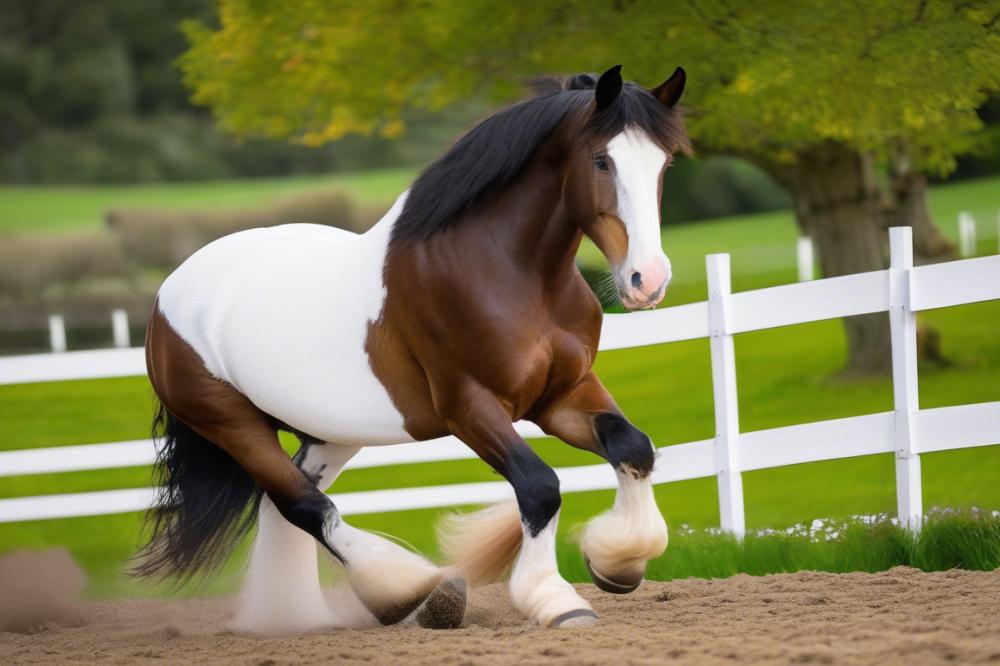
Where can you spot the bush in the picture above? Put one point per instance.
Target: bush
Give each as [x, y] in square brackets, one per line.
[164, 238]
[718, 187]
[30, 263]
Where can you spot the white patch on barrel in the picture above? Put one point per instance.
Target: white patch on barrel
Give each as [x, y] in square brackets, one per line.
[282, 314]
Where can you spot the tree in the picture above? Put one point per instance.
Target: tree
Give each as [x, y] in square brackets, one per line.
[828, 98]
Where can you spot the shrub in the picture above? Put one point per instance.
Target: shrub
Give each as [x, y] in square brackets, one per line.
[30, 263]
[164, 238]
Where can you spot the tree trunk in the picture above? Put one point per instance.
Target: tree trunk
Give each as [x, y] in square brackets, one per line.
[907, 206]
[837, 200]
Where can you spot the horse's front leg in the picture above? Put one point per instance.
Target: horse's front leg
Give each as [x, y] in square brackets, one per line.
[536, 587]
[616, 544]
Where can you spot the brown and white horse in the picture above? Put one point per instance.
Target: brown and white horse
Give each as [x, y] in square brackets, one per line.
[460, 312]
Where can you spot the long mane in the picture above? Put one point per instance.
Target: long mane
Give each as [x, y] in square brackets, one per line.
[494, 151]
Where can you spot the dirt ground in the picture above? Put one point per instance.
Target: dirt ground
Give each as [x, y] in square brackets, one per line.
[901, 616]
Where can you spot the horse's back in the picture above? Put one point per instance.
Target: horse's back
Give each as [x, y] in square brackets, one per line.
[282, 314]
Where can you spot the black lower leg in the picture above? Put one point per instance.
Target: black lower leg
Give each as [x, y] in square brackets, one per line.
[311, 511]
[627, 447]
[536, 487]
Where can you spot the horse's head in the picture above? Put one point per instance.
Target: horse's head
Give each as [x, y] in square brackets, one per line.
[614, 178]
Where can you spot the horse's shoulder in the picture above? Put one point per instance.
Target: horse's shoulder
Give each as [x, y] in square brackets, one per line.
[577, 313]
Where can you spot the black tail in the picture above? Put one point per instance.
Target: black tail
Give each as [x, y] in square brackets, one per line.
[201, 511]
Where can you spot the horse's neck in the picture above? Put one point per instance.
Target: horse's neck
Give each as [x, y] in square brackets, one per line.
[520, 234]
[528, 221]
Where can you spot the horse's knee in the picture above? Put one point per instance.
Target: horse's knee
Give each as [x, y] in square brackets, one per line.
[536, 487]
[627, 447]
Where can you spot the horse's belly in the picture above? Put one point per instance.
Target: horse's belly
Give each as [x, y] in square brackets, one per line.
[284, 320]
[352, 408]
[321, 385]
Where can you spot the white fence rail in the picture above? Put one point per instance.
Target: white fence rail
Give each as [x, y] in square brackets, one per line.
[909, 431]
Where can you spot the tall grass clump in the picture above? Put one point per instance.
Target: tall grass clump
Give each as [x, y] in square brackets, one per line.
[958, 540]
[948, 539]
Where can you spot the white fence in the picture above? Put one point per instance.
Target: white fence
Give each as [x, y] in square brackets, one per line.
[969, 223]
[902, 290]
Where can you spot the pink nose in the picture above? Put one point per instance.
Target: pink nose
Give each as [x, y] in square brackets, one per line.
[650, 279]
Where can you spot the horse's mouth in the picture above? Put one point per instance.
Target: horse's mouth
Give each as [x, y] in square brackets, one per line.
[633, 304]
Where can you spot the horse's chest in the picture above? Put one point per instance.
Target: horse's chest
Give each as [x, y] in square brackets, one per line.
[535, 374]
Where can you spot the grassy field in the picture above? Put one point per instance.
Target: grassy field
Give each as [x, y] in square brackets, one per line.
[64, 208]
[786, 376]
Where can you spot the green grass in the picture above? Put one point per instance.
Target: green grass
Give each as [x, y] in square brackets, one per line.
[786, 376]
[71, 208]
[965, 539]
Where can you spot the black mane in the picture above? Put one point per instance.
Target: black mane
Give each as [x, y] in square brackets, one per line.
[495, 151]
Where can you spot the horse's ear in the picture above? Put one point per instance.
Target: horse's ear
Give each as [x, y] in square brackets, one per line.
[670, 91]
[609, 86]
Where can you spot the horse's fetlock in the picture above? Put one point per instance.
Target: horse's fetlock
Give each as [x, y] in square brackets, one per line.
[628, 448]
[539, 500]
[311, 512]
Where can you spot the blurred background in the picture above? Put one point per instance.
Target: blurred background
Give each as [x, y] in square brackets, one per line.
[132, 132]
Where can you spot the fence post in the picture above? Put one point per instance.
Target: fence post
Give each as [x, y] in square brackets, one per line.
[57, 333]
[903, 323]
[966, 234]
[119, 328]
[805, 258]
[727, 419]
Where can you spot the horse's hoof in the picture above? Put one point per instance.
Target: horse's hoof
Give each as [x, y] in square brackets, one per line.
[619, 586]
[445, 606]
[575, 619]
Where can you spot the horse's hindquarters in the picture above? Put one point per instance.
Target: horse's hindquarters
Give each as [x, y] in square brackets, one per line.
[282, 315]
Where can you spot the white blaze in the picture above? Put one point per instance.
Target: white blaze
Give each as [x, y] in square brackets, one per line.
[638, 163]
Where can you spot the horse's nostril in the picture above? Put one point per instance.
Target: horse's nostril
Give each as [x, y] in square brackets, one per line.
[636, 279]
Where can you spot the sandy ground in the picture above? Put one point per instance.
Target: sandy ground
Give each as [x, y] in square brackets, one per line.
[901, 616]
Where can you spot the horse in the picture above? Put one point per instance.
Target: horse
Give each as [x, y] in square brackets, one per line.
[459, 313]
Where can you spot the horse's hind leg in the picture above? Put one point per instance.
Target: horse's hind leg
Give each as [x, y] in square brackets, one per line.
[282, 593]
[390, 580]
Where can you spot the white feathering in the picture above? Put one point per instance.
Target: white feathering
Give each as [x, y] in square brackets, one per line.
[619, 542]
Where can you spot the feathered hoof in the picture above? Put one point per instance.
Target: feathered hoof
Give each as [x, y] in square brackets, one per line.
[575, 619]
[621, 584]
[397, 611]
[445, 606]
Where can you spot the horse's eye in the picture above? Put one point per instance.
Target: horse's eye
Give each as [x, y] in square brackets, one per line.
[601, 164]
